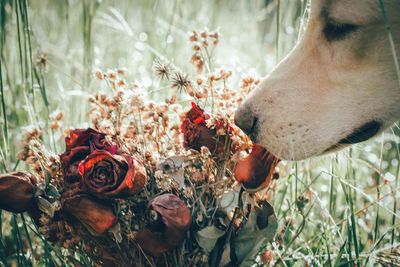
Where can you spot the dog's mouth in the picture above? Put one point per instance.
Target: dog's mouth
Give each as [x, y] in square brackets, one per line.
[359, 135]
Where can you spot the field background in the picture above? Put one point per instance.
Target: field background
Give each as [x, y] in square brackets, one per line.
[336, 210]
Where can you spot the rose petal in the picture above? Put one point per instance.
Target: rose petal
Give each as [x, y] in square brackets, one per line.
[152, 243]
[90, 138]
[197, 135]
[69, 163]
[80, 137]
[197, 115]
[173, 221]
[134, 180]
[96, 216]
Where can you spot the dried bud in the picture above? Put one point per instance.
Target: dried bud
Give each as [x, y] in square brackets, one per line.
[256, 170]
[17, 190]
[99, 74]
[96, 216]
[169, 219]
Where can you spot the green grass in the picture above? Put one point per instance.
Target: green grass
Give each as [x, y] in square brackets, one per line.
[351, 213]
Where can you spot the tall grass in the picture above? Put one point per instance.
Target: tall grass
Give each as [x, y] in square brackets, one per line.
[340, 210]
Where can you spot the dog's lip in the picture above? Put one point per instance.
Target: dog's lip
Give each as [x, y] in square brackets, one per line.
[266, 150]
[363, 133]
[360, 134]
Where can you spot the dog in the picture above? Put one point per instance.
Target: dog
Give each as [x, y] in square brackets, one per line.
[337, 87]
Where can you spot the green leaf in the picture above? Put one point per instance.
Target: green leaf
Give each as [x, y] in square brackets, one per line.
[259, 229]
[208, 237]
[46, 207]
[52, 191]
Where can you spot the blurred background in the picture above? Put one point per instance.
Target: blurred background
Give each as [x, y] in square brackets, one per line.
[339, 210]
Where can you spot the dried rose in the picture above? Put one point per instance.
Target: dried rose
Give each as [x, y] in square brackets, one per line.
[169, 219]
[256, 170]
[96, 216]
[17, 190]
[89, 137]
[79, 144]
[107, 175]
[197, 134]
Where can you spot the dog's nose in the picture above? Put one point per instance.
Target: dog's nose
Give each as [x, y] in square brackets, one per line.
[245, 119]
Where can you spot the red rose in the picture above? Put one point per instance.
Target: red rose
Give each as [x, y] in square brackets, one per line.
[197, 134]
[256, 170]
[96, 216]
[169, 219]
[17, 191]
[91, 138]
[79, 144]
[197, 115]
[107, 175]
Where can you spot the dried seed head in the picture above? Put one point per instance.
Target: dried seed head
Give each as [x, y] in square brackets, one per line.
[162, 69]
[41, 61]
[180, 81]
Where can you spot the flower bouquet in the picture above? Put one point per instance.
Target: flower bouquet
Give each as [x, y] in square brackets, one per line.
[151, 184]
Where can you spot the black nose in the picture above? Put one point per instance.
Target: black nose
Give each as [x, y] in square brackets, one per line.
[245, 120]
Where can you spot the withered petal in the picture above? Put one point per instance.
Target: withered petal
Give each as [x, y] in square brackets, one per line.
[96, 216]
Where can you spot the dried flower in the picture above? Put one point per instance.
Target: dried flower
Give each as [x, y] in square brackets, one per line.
[17, 190]
[162, 69]
[169, 219]
[180, 81]
[99, 74]
[79, 144]
[197, 134]
[96, 216]
[111, 75]
[41, 61]
[122, 71]
[256, 170]
[107, 175]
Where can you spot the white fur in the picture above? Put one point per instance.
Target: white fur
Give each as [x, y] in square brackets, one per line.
[322, 91]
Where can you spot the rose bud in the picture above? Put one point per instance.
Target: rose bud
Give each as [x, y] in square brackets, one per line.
[169, 219]
[96, 216]
[197, 134]
[17, 190]
[256, 170]
[107, 175]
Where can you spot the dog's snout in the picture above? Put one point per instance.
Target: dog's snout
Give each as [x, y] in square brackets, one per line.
[246, 120]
